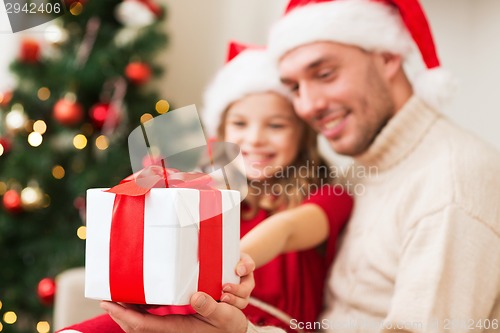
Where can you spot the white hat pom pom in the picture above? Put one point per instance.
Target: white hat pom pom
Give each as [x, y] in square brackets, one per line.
[435, 87]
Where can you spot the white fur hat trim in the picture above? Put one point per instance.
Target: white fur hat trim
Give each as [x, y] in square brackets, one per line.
[370, 25]
[250, 72]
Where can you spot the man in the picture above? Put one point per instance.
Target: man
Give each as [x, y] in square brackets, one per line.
[422, 250]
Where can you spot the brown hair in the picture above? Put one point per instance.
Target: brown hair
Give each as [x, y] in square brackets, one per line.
[308, 157]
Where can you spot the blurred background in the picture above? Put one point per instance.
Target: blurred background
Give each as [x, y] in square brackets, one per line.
[72, 89]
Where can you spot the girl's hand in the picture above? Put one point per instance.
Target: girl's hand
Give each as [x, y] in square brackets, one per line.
[238, 294]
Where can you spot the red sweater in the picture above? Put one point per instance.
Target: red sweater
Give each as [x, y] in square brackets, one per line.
[294, 282]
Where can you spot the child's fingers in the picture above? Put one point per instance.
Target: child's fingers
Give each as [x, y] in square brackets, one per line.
[245, 266]
[231, 299]
[238, 294]
[242, 290]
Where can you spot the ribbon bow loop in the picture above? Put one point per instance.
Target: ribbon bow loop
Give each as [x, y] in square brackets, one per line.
[154, 176]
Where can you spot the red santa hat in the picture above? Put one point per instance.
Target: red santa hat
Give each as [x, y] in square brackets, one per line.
[394, 26]
[248, 70]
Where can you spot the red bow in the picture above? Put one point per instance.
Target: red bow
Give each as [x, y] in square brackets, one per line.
[154, 176]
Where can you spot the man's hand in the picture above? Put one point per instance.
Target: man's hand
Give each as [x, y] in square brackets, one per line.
[211, 317]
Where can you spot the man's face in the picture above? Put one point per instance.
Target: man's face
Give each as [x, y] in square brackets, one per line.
[341, 91]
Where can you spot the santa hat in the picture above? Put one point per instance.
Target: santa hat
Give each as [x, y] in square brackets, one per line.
[394, 26]
[248, 70]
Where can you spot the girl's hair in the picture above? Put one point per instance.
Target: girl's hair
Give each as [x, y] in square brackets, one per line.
[308, 171]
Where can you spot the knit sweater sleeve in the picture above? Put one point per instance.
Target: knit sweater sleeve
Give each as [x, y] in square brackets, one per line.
[449, 274]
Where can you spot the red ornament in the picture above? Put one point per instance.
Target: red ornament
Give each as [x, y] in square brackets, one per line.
[5, 98]
[12, 201]
[102, 113]
[138, 72]
[6, 145]
[46, 290]
[68, 112]
[30, 51]
[153, 7]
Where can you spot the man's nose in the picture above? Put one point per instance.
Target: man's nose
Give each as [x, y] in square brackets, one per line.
[309, 102]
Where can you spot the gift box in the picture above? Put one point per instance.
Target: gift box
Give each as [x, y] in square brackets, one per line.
[162, 246]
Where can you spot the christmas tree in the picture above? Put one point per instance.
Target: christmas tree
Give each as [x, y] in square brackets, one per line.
[80, 90]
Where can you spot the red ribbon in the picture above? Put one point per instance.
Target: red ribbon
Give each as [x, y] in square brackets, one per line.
[126, 245]
[126, 275]
[210, 245]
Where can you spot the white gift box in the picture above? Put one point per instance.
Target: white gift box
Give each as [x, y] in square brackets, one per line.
[170, 267]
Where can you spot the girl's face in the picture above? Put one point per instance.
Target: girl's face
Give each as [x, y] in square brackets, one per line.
[267, 130]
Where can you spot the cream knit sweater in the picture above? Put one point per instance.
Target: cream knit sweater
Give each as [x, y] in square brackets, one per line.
[421, 252]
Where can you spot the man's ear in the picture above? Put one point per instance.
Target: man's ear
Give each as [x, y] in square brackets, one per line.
[391, 64]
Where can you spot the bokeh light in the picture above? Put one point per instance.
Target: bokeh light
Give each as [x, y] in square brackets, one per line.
[32, 197]
[58, 172]
[162, 106]
[43, 93]
[15, 119]
[82, 232]
[76, 8]
[43, 327]
[9, 317]
[18, 107]
[35, 139]
[145, 117]
[102, 142]
[40, 126]
[55, 34]
[80, 141]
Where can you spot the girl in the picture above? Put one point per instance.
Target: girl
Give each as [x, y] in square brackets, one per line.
[247, 105]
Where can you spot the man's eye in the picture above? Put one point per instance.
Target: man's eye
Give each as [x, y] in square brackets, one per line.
[325, 74]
